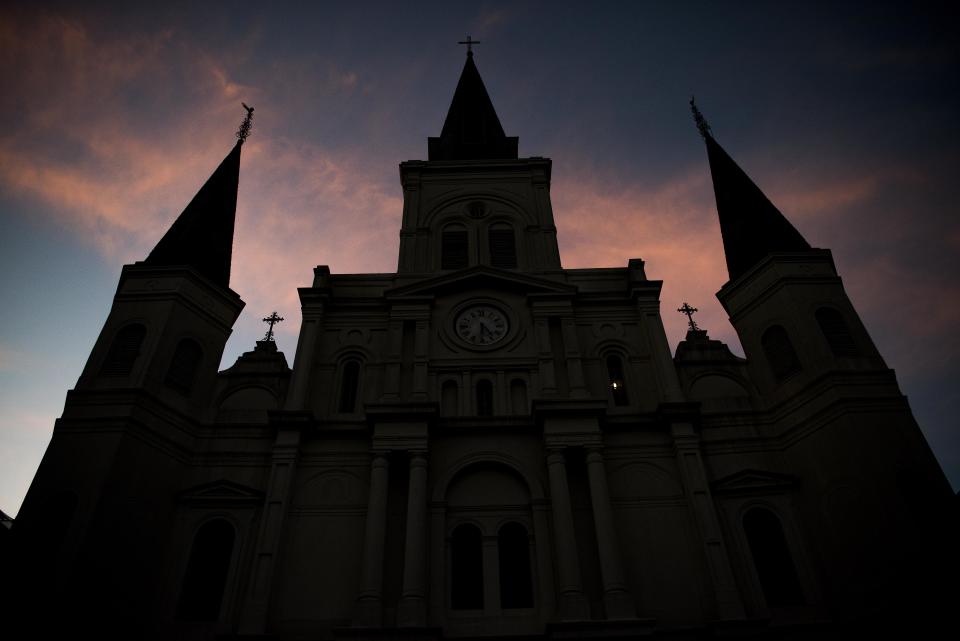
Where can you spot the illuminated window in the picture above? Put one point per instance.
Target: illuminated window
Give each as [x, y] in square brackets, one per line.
[616, 380]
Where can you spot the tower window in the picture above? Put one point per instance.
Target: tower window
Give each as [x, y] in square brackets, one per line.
[779, 352]
[771, 558]
[184, 365]
[836, 332]
[349, 386]
[484, 398]
[206, 575]
[503, 247]
[454, 249]
[617, 381]
[124, 351]
[516, 585]
[466, 568]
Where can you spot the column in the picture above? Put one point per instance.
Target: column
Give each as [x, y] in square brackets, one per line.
[302, 365]
[412, 607]
[571, 345]
[420, 356]
[573, 605]
[253, 619]
[370, 601]
[391, 383]
[548, 381]
[687, 444]
[616, 598]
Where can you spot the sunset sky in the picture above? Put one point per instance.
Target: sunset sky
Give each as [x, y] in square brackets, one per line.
[848, 117]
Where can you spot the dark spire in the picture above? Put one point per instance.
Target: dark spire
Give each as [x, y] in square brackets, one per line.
[751, 226]
[202, 236]
[472, 130]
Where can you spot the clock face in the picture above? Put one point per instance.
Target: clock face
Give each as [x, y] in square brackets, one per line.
[482, 325]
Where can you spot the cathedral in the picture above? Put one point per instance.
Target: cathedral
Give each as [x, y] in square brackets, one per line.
[484, 444]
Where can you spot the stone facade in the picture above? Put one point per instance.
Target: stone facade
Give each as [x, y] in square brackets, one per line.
[485, 444]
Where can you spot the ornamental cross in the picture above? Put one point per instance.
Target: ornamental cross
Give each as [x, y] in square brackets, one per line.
[244, 131]
[689, 312]
[469, 42]
[698, 118]
[272, 319]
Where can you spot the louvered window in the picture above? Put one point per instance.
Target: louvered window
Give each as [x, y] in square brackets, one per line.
[124, 351]
[779, 352]
[184, 365]
[454, 249]
[503, 247]
[836, 332]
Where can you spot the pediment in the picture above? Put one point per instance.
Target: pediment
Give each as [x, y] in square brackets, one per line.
[221, 491]
[480, 277]
[746, 481]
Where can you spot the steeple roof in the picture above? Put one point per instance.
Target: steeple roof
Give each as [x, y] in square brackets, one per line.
[202, 236]
[472, 130]
[751, 226]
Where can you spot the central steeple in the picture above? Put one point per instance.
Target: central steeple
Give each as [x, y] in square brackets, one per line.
[472, 130]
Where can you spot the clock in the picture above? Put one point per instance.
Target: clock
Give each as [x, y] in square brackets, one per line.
[481, 325]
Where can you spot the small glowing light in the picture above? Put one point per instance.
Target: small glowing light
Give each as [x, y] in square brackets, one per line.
[615, 385]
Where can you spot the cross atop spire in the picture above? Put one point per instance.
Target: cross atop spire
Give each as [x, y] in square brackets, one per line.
[271, 320]
[472, 130]
[244, 131]
[752, 228]
[689, 312]
[698, 118]
[469, 42]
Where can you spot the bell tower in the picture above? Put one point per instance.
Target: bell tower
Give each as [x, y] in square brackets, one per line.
[474, 201]
[107, 483]
[832, 408]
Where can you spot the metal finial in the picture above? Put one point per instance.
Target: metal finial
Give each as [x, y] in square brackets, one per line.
[244, 131]
[689, 312]
[469, 42]
[698, 118]
[272, 320]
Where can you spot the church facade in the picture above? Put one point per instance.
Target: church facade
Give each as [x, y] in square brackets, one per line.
[484, 444]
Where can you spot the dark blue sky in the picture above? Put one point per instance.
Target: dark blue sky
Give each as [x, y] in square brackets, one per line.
[844, 113]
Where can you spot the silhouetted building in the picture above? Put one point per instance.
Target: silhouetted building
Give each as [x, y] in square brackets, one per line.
[485, 443]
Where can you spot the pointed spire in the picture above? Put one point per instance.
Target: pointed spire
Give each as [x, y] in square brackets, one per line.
[751, 226]
[472, 130]
[202, 236]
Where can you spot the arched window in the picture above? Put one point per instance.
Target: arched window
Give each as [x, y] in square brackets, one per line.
[779, 352]
[454, 248]
[484, 398]
[518, 396]
[124, 350]
[466, 568]
[516, 584]
[184, 365]
[503, 246]
[836, 332]
[206, 575]
[450, 399]
[617, 381]
[771, 558]
[349, 387]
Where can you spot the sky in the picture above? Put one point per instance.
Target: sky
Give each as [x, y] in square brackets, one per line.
[845, 114]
